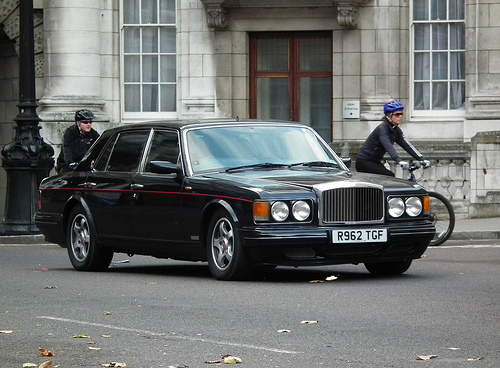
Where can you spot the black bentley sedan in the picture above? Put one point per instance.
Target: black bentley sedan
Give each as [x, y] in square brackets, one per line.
[237, 194]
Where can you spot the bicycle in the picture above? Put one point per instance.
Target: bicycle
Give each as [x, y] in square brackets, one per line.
[442, 214]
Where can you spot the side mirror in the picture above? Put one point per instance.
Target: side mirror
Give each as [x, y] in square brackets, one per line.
[164, 167]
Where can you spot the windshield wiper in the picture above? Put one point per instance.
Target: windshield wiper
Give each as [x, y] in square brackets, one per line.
[316, 163]
[256, 166]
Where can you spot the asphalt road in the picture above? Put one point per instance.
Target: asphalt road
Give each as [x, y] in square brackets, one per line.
[157, 313]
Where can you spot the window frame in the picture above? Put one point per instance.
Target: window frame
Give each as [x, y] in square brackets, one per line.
[434, 113]
[148, 114]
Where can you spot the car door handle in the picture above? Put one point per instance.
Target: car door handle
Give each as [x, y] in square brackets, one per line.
[136, 186]
[88, 185]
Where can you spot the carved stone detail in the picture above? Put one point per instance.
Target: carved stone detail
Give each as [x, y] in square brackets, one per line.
[216, 17]
[347, 16]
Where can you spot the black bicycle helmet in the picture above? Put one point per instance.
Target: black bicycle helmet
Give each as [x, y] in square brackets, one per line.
[392, 106]
[84, 114]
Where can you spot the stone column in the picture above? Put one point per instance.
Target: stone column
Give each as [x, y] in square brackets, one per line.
[72, 51]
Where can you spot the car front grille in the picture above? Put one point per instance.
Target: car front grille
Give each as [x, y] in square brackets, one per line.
[352, 205]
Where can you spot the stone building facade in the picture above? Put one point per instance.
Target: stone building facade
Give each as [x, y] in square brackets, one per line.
[329, 63]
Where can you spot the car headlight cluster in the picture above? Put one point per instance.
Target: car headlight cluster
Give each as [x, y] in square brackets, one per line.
[282, 211]
[398, 206]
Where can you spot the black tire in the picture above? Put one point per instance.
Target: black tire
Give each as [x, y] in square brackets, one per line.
[84, 252]
[388, 268]
[443, 217]
[226, 257]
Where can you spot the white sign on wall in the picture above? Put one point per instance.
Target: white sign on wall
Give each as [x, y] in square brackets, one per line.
[351, 109]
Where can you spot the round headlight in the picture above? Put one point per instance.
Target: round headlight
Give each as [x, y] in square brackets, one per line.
[280, 211]
[413, 206]
[396, 207]
[301, 210]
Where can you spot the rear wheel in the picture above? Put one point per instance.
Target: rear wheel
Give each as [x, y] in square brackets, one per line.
[388, 268]
[84, 252]
[442, 216]
[226, 257]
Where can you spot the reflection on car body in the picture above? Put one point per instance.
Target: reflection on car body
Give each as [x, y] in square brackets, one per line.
[238, 194]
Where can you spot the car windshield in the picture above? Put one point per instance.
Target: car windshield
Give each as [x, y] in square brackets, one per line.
[224, 148]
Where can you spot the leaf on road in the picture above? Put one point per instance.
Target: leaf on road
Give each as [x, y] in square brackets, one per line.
[213, 361]
[105, 336]
[230, 359]
[284, 331]
[94, 348]
[46, 364]
[474, 359]
[81, 336]
[308, 322]
[50, 287]
[114, 364]
[6, 331]
[107, 313]
[30, 365]
[47, 353]
[453, 348]
[316, 281]
[178, 366]
[426, 357]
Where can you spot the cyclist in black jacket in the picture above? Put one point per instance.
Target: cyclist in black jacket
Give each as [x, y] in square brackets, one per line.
[77, 140]
[381, 141]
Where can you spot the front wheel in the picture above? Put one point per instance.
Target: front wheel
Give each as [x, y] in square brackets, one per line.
[388, 268]
[226, 257]
[84, 252]
[442, 216]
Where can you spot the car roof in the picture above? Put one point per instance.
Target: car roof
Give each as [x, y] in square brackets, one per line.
[190, 123]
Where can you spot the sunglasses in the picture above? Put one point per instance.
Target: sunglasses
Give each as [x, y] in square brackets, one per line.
[398, 114]
[86, 121]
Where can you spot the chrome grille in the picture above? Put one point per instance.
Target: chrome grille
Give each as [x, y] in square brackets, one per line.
[354, 204]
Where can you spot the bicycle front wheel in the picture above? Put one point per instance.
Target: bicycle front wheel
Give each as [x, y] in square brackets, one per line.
[443, 217]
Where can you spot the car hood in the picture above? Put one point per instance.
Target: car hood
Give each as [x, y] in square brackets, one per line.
[298, 179]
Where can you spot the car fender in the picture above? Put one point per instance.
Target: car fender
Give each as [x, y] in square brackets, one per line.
[74, 200]
[209, 210]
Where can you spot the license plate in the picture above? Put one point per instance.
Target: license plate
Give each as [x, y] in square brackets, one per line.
[359, 236]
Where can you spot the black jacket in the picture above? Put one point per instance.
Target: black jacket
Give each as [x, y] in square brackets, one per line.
[75, 145]
[381, 141]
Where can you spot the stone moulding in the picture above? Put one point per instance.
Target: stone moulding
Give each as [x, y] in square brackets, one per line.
[218, 10]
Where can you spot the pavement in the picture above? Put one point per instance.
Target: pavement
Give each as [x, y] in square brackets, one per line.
[483, 229]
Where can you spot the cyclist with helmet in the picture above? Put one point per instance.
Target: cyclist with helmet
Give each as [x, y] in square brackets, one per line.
[76, 141]
[381, 141]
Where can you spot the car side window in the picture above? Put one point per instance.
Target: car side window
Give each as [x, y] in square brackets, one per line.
[127, 151]
[164, 147]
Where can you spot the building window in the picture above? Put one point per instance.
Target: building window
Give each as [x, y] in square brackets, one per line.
[149, 61]
[438, 31]
[291, 78]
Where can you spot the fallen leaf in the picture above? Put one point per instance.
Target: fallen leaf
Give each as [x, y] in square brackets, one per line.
[213, 361]
[81, 336]
[107, 313]
[94, 348]
[105, 336]
[45, 269]
[178, 366]
[30, 365]
[474, 359]
[316, 281]
[45, 364]
[426, 357]
[453, 348]
[114, 364]
[6, 331]
[47, 353]
[284, 331]
[50, 287]
[308, 322]
[230, 359]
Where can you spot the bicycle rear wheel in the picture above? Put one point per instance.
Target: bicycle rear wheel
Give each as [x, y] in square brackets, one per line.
[443, 217]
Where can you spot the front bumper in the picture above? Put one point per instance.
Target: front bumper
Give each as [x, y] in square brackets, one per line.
[313, 245]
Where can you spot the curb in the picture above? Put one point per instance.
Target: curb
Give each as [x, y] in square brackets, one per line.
[475, 235]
